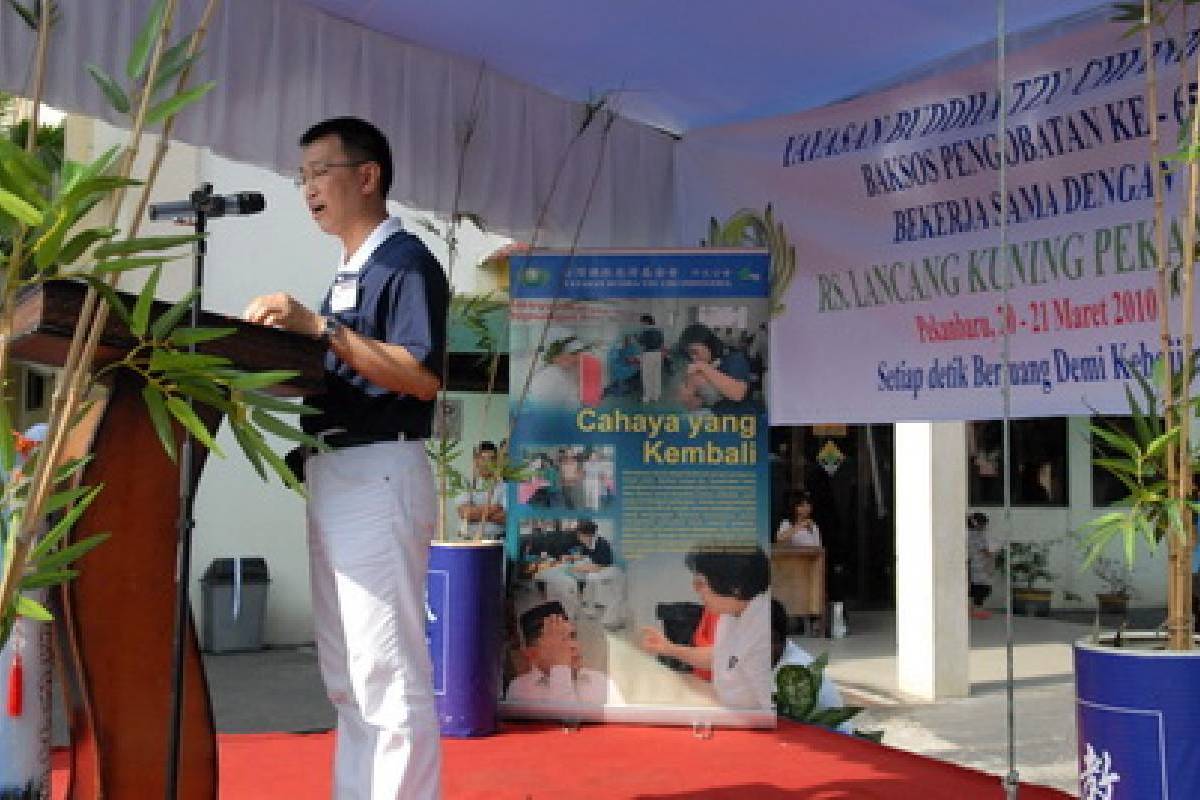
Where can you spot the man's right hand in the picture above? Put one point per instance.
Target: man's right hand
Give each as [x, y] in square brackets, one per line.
[281, 310]
[652, 640]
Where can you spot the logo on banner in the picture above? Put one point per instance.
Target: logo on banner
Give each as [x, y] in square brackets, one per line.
[1097, 778]
[534, 276]
[830, 457]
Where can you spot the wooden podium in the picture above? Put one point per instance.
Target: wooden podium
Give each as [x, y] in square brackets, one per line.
[798, 580]
[116, 619]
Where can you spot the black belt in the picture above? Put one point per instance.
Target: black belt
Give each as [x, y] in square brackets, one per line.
[342, 439]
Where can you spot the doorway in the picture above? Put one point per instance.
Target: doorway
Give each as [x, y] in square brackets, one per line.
[848, 471]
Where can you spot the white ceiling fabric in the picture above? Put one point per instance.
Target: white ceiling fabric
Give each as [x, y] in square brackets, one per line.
[281, 66]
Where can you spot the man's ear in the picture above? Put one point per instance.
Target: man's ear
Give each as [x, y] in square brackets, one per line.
[370, 173]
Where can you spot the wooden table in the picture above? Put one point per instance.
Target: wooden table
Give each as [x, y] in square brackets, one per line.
[798, 581]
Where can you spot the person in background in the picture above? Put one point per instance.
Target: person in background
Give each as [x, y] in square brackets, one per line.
[981, 560]
[482, 507]
[556, 672]
[624, 358]
[732, 582]
[595, 473]
[556, 371]
[592, 551]
[651, 341]
[372, 503]
[801, 529]
[571, 476]
[716, 380]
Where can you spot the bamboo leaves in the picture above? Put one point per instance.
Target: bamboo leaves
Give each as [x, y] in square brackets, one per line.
[139, 55]
[110, 88]
[43, 205]
[172, 106]
[20, 210]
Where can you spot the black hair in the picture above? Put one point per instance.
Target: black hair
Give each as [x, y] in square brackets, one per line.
[586, 526]
[699, 333]
[533, 620]
[647, 319]
[779, 630]
[361, 140]
[486, 446]
[800, 496]
[736, 571]
[977, 521]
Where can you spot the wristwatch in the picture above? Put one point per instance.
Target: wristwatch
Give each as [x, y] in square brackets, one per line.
[329, 329]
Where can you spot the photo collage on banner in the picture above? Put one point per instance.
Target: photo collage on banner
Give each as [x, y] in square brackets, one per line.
[638, 577]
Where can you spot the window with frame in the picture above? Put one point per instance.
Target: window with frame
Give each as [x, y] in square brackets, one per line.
[1038, 475]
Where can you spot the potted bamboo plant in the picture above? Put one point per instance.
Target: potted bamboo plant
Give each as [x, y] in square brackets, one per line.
[48, 233]
[1137, 695]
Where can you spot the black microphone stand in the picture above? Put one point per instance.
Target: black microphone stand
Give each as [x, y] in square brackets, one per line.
[202, 200]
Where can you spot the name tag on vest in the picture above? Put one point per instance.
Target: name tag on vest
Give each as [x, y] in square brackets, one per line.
[344, 296]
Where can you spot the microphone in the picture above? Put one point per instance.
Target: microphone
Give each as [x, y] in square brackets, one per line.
[215, 205]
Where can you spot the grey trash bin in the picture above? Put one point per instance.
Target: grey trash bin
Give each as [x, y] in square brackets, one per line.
[234, 596]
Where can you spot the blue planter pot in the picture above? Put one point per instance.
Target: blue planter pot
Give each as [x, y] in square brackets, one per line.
[465, 628]
[1138, 720]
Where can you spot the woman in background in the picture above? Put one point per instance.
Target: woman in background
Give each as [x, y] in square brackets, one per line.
[733, 582]
[717, 379]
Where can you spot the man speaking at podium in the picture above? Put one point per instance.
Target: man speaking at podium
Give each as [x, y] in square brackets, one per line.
[372, 504]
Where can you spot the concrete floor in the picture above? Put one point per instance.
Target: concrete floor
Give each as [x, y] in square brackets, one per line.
[279, 689]
[971, 731]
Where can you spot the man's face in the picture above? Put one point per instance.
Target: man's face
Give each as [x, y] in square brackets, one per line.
[557, 646]
[335, 189]
[699, 353]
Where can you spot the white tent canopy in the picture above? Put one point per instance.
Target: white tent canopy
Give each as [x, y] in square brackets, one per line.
[522, 70]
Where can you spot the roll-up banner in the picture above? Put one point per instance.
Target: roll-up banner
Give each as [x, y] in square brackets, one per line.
[638, 581]
[897, 309]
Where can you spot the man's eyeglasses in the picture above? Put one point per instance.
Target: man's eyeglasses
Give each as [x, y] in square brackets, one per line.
[307, 174]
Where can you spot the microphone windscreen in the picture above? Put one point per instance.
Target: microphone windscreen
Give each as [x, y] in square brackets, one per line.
[251, 202]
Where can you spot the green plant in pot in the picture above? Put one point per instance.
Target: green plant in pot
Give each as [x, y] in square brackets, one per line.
[1030, 567]
[1117, 579]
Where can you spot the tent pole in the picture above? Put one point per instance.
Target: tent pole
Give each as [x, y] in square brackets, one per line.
[1011, 780]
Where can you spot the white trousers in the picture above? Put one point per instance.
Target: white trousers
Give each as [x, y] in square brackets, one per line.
[651, 376]
[371, 515]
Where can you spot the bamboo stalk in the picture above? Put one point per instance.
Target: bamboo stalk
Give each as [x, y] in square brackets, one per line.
[1180, 595]
[1170, 410]
[451, 253]
[12, 277]
[16, 554]
[39, 76]
[76, 375]
[93, 316]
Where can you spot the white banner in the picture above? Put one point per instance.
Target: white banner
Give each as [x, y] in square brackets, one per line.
[893, 203]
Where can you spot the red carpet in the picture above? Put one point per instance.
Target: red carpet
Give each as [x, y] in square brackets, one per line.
[534, 761]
